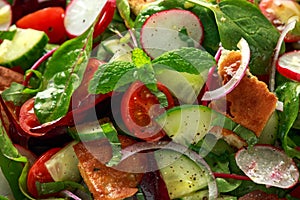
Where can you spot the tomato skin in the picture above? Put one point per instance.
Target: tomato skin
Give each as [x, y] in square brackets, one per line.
[138, 108]
[50, 20]
[39, 173]
[278, 12]
[27, 118]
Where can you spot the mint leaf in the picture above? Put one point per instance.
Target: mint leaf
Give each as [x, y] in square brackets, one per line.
[63, 74]
[140, 58]
[186, 59]
[111, 76]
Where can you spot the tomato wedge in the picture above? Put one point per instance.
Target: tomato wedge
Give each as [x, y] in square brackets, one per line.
[138, 109]
[39, 173]
[50, 20]
[27, 118]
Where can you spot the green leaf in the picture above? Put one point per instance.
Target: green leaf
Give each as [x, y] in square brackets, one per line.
[11, 163]
[54, 187]
[124, 10]
[112, 136]
[140, 58]
[186, 59]
[64, 72]
[238, 19]
[288, 93]
[15, 93]
[8, 35]
[111, 76]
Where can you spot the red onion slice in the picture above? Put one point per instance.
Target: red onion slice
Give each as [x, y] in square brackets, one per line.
[237, 77]
[290, 26]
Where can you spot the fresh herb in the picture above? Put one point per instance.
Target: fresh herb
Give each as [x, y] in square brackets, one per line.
[63, 73]
[288, 93]
[113, 75]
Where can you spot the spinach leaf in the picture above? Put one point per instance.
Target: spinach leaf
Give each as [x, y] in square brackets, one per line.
[64, 72]
[288, 93]
[11, 163]
[8, 35]
[15, 93]
[238, 18]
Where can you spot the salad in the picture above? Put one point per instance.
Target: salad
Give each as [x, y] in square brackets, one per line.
[135, 99]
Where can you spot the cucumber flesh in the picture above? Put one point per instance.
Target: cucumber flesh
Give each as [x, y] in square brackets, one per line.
[120, 51]
[187, 86]
[62, 166]
[24, 49]
[181, 175]
[186, 124]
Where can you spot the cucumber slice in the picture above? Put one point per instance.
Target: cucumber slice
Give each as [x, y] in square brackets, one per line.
[181, 175]
[203, 194]
[24, 49]
[121, 51]
[186, 124]
[186, 87]
[62, 166]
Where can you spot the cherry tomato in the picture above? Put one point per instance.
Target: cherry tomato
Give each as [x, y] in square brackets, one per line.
[50, 20]
[27, 118]
[39, 173]
[279, 13]
[138, 108]
[105, 17]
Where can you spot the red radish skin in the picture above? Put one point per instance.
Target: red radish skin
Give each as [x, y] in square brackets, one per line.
[81, 14]
[288, 65]
[160, 32]
[266, 164]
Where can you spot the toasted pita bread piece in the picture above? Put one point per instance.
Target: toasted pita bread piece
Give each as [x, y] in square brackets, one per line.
[107, 183]
[137, 5]
[7, 77]
[250, 103]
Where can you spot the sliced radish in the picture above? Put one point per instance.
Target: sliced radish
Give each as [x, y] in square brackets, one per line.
[288, 65]
[265, 164]
[164, 31]
[5, 15]
[236, 78]
[81, 14]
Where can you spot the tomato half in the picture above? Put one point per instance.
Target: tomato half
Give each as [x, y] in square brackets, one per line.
[39, 173]
[50, 20]
[279, 13]
[138, 109]
[27, 118]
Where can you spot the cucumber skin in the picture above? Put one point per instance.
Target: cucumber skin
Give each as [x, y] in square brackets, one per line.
[29, 57]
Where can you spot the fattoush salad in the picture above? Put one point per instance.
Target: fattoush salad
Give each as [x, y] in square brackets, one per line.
[149, 100]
